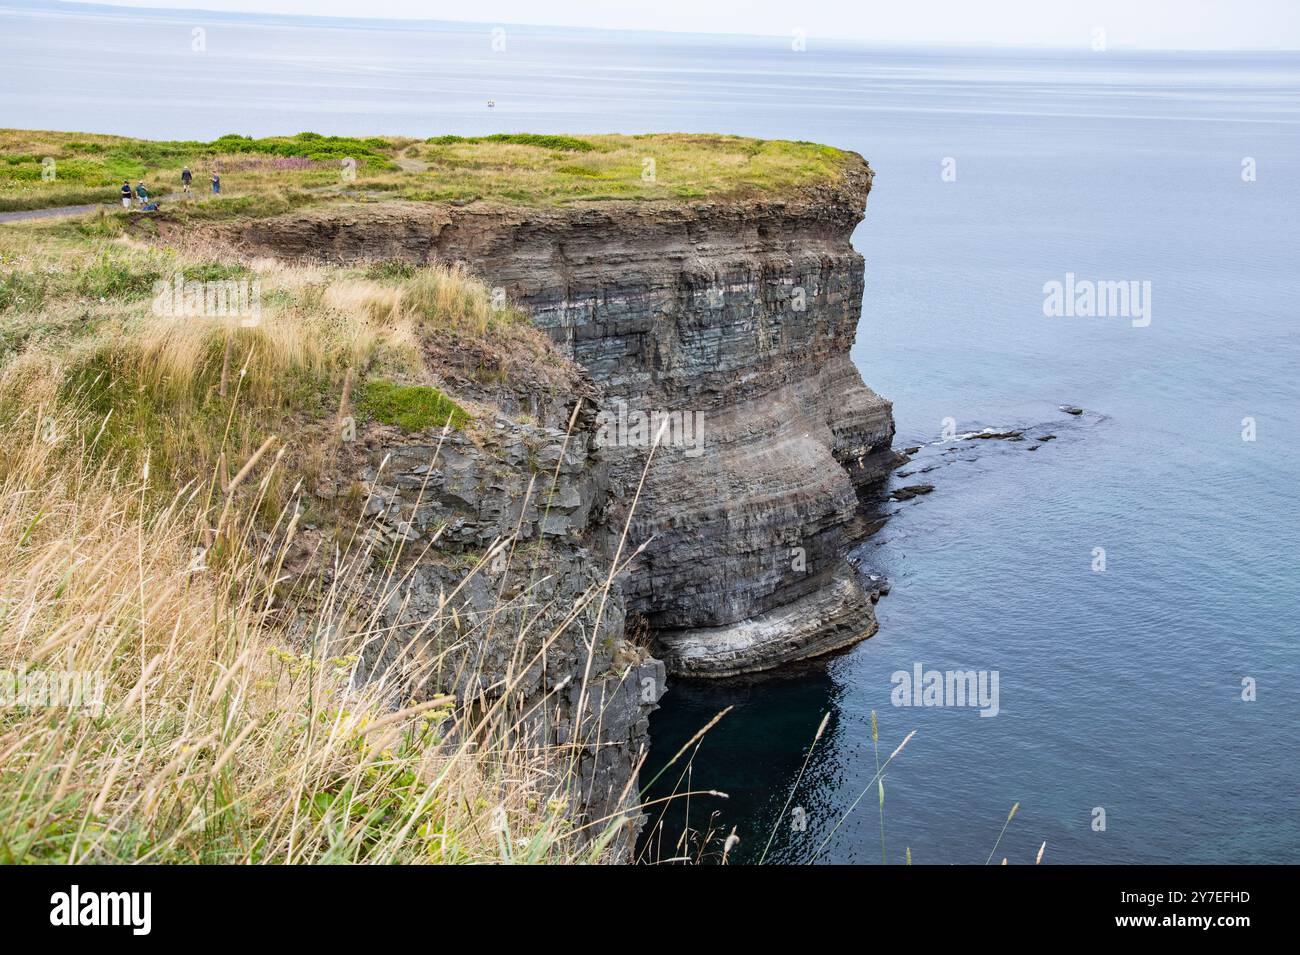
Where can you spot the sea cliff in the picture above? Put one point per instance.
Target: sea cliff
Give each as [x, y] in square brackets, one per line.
[501, 434]
[731, 318]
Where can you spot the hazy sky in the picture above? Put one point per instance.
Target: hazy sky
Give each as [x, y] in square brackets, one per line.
[1147, 24]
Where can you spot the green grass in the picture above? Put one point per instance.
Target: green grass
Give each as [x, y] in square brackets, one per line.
[270, 175]
[372, 150]
[410, 407]
[110, 275]
[43, 169]
[541, 170]
[390, 270]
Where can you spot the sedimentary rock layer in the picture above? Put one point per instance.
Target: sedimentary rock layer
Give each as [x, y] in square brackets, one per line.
[514, 607]
[736, 315]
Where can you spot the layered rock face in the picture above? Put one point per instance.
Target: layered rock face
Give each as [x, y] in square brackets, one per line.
[505, 596]
[733, 321]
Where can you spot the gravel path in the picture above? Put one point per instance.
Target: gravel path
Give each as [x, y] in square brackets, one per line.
[25, 214]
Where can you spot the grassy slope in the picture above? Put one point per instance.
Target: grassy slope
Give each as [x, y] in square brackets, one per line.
[76, 307]
[135, 545]
[520, 168]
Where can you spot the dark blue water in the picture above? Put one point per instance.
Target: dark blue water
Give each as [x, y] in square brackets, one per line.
[1118, 690]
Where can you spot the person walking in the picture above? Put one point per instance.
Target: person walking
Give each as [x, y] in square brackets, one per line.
[216, 183]
[126, 194]
[187, 177]
[141, 193]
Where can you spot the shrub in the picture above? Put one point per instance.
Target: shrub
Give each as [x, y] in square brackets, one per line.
[550, 141]
[390, 269]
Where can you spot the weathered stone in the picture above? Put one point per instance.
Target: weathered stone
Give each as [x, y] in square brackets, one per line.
[739, 313]
[827, 619]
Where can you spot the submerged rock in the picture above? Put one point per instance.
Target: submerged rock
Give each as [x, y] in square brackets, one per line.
[911, 491]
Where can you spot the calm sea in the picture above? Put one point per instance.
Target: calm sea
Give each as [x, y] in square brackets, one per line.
[1119, 690]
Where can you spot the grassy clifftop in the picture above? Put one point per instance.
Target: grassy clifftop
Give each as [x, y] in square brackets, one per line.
[46, 169]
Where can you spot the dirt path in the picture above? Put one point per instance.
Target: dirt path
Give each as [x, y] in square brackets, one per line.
[24, 214]
[411, 165]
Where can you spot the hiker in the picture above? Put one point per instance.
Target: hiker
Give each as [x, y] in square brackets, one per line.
[126, 194]
[141, 193]
[216, 183]
[186, 178]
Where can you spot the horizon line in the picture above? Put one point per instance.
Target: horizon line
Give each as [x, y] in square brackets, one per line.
[390, 22]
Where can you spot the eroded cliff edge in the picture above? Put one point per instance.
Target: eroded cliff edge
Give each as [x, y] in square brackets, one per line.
[739, 313]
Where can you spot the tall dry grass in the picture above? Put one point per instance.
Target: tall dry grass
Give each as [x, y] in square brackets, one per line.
[234, 726]
[146, 531]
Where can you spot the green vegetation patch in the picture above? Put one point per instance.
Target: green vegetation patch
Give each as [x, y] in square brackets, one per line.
[410, 407]
[312, 146]
[391, 270]
[571, 144]
[111, 278]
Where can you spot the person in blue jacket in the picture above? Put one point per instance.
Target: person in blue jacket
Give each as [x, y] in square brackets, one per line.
[216, 182]
[126, 194]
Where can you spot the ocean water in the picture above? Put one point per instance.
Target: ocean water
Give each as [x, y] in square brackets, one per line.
[1118, 690]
